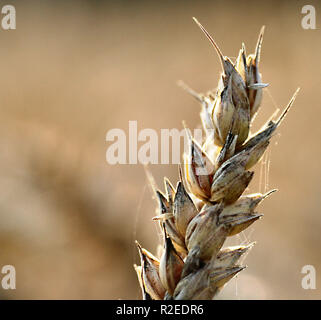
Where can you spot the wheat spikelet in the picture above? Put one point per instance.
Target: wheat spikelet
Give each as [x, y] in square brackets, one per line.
[207, 205]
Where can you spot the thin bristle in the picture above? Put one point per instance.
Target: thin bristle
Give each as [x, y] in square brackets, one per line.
[163, 217]
[139, 247]
[265, 195]
[150, 179]
[210, 38]
[286, 110]
[187, 130]
[258, 46]
[189, 90]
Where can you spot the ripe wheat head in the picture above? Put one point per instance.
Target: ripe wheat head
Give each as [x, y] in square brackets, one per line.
[207, 204]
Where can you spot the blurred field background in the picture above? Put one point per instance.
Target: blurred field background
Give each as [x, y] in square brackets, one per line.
[72, 70]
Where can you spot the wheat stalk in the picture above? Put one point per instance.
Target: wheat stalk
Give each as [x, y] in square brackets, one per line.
[207, 205]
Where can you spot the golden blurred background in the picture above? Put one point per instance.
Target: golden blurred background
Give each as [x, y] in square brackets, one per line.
[72, 70]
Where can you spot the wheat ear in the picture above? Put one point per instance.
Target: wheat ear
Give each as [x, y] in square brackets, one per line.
[207, 205]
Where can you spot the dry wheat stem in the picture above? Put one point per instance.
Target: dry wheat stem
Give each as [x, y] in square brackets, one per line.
[207, 205]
